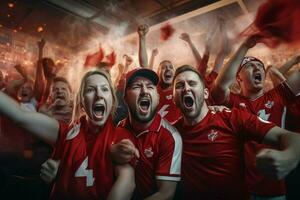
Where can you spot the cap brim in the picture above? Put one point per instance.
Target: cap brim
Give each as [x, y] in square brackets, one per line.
[143, 72]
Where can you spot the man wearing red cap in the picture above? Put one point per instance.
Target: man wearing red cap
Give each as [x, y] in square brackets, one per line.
[159, 144]
[250, 74]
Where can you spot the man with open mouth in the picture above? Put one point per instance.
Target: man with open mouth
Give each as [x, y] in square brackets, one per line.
[159, 144]
[249, 72]
[59, 105]
[213, 156]
[165, 71]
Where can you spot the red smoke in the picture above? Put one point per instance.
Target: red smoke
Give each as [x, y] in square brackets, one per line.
[94, 59]
[111, 58]
[166, 32]
[277, 21]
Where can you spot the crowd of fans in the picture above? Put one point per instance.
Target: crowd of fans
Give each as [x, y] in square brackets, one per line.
[224, 129]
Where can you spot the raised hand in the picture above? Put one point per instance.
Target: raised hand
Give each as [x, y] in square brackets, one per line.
[143, 30]
[124, 151]
[49, 170]
[185, 37]
[275, 164]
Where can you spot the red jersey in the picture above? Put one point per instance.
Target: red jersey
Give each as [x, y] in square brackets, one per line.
[272, 107]
[212, 160]
[166, 108]
[160, 150]
[86, 170]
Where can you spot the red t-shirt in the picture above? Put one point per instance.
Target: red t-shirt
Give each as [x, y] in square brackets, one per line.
[212, 160]
[166, 108]
[271, 106]
[160, 148]
[86, 170]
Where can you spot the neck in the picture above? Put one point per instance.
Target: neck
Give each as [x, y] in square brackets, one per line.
[138, 126]
[164, 85]
[199, 118]
[251, 95]
[93, 128]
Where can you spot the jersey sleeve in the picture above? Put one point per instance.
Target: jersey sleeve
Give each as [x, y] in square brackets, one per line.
[169, 162]
[250, 126]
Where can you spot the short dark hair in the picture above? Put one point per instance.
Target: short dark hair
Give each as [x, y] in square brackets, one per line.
[185, 68]
[62, 79]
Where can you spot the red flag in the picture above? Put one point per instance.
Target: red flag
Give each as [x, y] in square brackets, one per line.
[94, 59]
[166, 32]
[277, 21]
[111, 59]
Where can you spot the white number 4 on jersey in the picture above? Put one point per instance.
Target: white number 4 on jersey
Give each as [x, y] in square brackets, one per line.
[82, 171]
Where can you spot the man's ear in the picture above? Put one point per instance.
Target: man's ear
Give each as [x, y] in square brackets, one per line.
[206, 93]
[238, 79]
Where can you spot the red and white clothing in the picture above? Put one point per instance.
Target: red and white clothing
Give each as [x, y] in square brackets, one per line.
[86, 170]
[271, 106]
[212, 160]
[166, 108]
[160, 148]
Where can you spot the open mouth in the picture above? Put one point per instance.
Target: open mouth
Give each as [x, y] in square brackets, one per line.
[24, 94]
[61, 97]
[188, 101]
[98, 110]
[144, 105]
[258, 77]
[168, 76]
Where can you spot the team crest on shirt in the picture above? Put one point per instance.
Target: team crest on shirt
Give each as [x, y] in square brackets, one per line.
[212, 135]
[148, 152]
[169, 97]
[269, 104]
[73, 132]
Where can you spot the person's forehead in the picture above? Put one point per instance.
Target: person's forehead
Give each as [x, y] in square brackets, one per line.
[60, 84]
[187, 75]
[96, 79]
[166, 63]
[253, 63]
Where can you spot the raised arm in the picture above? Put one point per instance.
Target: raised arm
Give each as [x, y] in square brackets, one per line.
[289, 64]
[275, 75]
[124, 185]
[143, 57]
[220, 90]
[186, 37]
[40, 82]
[38, 124]
[294, 82]
[279, 163]
[152, 58]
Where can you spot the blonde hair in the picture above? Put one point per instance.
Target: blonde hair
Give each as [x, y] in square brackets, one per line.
[78, 102]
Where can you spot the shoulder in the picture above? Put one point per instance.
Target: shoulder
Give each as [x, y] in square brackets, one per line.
[169, 132]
